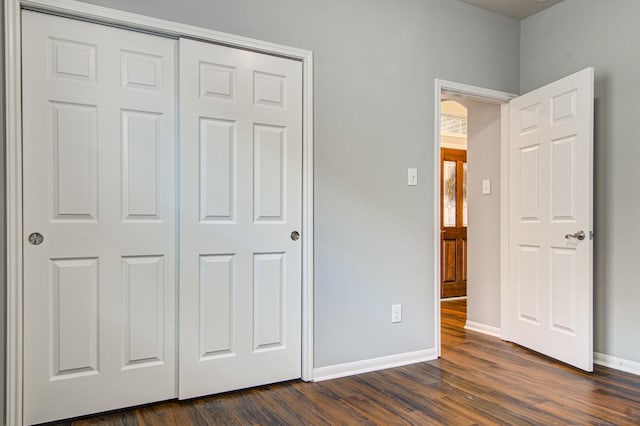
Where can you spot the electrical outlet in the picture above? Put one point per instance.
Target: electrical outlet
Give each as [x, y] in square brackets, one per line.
[396, 313]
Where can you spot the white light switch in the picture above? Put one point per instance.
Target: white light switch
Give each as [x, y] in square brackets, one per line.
[486, 187]
[412, 174]
[396, 313]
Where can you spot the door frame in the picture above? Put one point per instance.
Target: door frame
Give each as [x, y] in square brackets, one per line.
[13, 117]
[490, 96]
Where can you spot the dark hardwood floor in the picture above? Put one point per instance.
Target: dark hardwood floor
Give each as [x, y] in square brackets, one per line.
[479, 380]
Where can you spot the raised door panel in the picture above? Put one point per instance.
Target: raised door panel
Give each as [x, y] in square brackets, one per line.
[529, 187]
[75, 161]
[142, 165]
[141, 70]
[269, 89]
[72, 59]
[269, 173]
[269, 289]
[462, 259]
[449, 260]
[217, 306]
[563, 179]
[528, 290]
[563, 107]
[144, 297]
[217, 81]
[563, 290]
[75, 317]
[218, 181]
[528, 119]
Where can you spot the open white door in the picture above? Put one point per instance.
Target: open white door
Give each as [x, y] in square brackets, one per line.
[550, 289]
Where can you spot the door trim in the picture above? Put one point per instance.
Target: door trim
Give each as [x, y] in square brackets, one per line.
[490, 96]
[13, 116]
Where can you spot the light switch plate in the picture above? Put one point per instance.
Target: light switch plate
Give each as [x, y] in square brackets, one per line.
[486, 187]
[412, 174]
[396, 313]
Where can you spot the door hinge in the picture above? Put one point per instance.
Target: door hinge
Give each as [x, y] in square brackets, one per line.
[591, 235]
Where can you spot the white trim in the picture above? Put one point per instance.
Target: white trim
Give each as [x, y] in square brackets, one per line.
[481, 94]
[453, 135]
[373, 364]
[616, 363]
[307, 218]
[451, 299]
[436, 216]
[504, 221]
[453, 146]
[482, 328]
[71, 8]
[13, 150]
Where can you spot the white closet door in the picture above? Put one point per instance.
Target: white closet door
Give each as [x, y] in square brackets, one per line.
[99, 172]
[241, 198]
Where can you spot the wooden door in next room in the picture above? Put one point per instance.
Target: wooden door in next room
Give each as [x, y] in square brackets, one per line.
[453, 222]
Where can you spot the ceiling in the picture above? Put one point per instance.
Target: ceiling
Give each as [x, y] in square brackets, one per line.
[518, 9]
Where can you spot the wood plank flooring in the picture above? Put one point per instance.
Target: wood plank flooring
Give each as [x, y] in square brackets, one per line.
[479, 380]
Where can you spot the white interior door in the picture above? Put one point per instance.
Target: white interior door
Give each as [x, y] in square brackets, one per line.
[550, 289]
[241, 199]
[99, 291]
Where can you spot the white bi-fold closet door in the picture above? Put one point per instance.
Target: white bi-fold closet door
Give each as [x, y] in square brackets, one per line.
[115, 205]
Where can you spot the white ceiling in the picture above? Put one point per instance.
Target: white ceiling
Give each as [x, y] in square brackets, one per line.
[518, 9]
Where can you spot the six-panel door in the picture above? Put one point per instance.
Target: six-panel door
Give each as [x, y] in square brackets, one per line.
[241, 198]
[99, 186]
[550, 200]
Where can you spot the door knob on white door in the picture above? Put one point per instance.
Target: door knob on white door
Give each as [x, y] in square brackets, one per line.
[295, 235]
[35, 239]
[580, 235]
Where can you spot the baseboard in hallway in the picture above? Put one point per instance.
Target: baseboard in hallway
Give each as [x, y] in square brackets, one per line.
[451, 299]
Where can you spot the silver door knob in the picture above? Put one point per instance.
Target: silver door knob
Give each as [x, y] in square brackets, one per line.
[35, 238]
[295, 235]
[578, 236]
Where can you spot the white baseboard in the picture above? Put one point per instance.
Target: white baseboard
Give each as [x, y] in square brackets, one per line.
[621, 364]
[451, 299]
[374, 364]
[482, 328]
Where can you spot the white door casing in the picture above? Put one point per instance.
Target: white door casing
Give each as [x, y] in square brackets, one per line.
[99, 172]
[550, 286]
[241, 198]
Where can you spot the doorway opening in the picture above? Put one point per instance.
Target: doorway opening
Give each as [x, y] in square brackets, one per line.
[470, 125]
[453, 199]
[545, 261]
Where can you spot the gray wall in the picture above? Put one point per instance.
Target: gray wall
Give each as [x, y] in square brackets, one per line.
[483, 232]
[375, 64]
[604, 34]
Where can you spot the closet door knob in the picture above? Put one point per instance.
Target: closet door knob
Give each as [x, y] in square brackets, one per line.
[35, 238]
